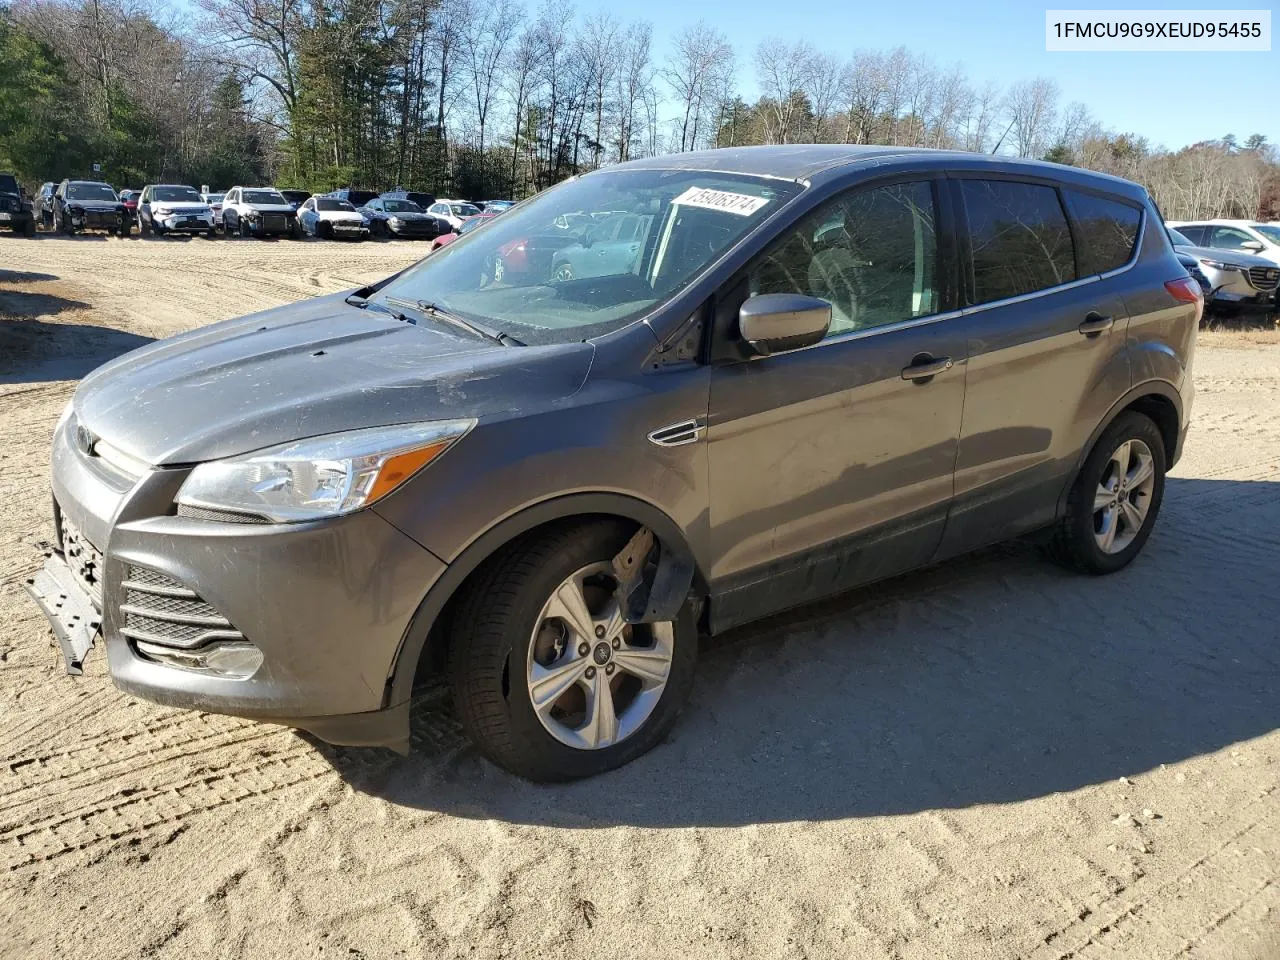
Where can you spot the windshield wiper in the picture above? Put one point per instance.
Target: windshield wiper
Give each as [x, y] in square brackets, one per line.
[440, 313]
[358, 299]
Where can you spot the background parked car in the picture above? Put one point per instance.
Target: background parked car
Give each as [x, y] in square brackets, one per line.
[1240, 236]
[401, 218]
[607, 247]
[1192, 266]
[296, 198]
[15, 209]
[453, 212]
[422, 199]
[173, 208]
[43, 205]
[258, 212]
[330, 219]
[357, 198]
[89, 205]
[1240, 281]
[130, 200]
[495, 206]
[214, 200]
[467, 226]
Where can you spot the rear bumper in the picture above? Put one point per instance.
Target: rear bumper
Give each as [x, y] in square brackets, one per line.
[1254, 302]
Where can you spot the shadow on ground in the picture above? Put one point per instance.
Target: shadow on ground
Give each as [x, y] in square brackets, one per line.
[34, 350]
[24, 276]
[993, 679]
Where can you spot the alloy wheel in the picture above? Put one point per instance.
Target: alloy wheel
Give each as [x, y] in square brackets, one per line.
[594, 679]
[1123, 497]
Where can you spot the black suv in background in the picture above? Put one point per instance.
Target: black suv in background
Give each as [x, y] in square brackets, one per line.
[357, 198]
[89, 205]
[419, 197]
[15, 208]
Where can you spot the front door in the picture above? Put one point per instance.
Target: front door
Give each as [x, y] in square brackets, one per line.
[832, 466]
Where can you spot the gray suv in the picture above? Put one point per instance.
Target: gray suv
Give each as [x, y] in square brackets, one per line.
[824, 366]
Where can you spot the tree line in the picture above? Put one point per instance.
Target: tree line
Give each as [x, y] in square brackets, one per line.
[492, 98]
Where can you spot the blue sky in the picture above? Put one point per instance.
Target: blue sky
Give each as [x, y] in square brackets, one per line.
[1171, 98]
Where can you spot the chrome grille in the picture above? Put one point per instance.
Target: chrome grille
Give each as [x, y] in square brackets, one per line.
[1264, 278]
[220, 516]
[159, 609]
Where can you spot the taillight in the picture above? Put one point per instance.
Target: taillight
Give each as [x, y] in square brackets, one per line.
[1185, 289]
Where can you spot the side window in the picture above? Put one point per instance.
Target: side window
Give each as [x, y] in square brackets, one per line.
[1019, 238]
[871, 253]
[1229, 238]
[1194, 234]
[1106, 231]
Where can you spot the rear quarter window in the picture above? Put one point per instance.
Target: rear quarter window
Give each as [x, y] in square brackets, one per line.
[1106, 231]
[1018, 237]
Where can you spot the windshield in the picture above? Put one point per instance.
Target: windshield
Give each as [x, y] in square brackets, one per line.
[263, 196]
[176, 195]
[1178, 239]
[493, 206]
[8, 183]
[329, 203]
[539, 275]
[471, 224]
[90, 191]
[463, 209]
[400, 206]
[1269, 230]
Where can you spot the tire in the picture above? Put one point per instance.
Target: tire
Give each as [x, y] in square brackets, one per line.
[493, 639]
[144, 228]
[211, 234]
[29, 228]
[563, 273]
[1079, 541]
[324, 230]
[126, 226]
[242, 228]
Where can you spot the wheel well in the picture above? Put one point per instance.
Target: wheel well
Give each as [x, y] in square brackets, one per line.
[431, 661]
[1162, 411]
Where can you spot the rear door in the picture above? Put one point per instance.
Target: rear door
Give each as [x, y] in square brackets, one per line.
[829, 466]
[1045, 330]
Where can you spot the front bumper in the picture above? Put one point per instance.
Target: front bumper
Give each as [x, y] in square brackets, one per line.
[93, 220]
[414, 229]
[271, 225]
[327, 603]
[185, 223]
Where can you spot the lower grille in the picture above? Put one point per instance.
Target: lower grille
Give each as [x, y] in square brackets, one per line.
[84, 559]
[274, 222]
[1264, 278]
[159, 609]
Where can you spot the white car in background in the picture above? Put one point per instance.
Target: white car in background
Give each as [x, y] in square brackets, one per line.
[214, 200]
[1240, 281]
[258, 212]
[1241, 236]
[329, 218]
[173, 208]
[453, 212]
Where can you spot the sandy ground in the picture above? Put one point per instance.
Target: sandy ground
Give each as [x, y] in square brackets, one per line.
[992, 759]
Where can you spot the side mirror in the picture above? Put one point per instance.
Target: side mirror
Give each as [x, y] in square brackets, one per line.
[776, 322]
[1254, 245]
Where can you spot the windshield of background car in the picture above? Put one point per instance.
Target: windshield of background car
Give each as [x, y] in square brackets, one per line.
[262, 196]
[214, 198]
[1177, 239]
[550, 271]
[469, 225]
[400, 206]
[329, 203]
[1269, 230]
[90, 191]
[176, 195]
[8, 184]
[463, 209]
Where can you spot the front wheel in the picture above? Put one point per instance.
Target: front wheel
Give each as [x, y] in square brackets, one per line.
[1115, 500]
[548, 679]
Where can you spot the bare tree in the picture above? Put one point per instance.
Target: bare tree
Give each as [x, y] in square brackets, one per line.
[822, 85]
[782, 70]
[1032, 107]
[599, 47]
[699, 65]
[484, 40]
[633, 81]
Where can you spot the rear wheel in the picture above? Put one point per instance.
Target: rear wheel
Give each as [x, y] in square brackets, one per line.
[243, 228]
[1115, 500]
[548, 679]
[29, 228]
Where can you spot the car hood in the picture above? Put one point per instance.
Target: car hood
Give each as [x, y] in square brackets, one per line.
[269, 207]
[181, 206]
[311, 368]
[95, 204]
[408, 215]
[350, 215]
[1245, 260]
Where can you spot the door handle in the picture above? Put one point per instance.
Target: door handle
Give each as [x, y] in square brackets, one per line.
[926, 369]
[1094, 324]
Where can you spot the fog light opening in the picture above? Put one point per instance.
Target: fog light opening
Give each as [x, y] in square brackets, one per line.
[234, 661]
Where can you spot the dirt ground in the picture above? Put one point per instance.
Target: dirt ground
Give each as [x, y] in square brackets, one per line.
[991, 759]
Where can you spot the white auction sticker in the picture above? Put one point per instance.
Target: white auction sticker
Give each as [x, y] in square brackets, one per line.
[742, 204]
[1238, 31]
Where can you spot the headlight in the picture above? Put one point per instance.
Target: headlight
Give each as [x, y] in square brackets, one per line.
[161, 211]
[323, 476]
[1220, 265]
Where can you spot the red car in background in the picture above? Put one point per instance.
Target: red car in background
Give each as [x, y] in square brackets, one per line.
[130, 200]
[468, 225]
